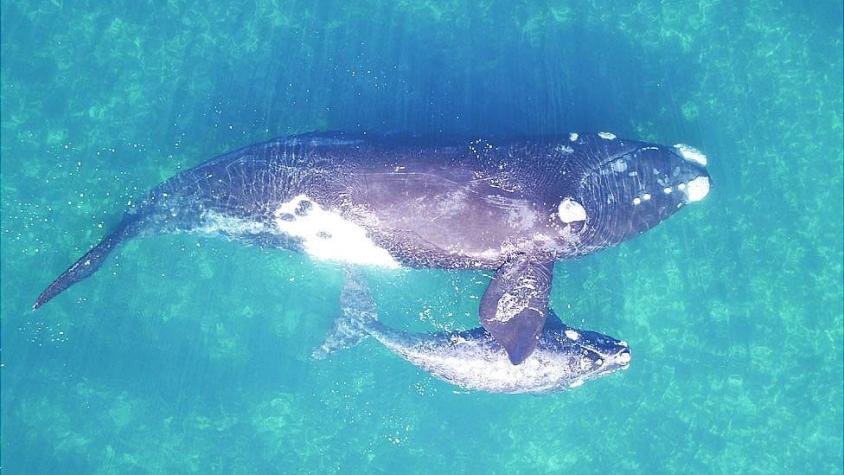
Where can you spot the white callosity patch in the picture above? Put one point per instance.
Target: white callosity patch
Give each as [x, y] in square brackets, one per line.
[697, 189]
[570, 211]
[573, 136]
[691, 154]
[326, 235]
[606, 135]
[572, 335]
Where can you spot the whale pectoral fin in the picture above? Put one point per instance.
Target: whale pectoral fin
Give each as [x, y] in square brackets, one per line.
[515, 305]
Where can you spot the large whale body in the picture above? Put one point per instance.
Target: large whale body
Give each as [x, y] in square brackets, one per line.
[515, 206]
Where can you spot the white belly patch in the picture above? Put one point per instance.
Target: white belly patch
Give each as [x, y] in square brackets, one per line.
[326, 235]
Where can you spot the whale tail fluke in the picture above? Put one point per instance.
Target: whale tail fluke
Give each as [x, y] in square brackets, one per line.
[91, 261]
[355, 322]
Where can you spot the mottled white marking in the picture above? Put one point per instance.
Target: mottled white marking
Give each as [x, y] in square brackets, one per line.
[326, 235]
[213, 222]
[681, 187]
[619, 166]
[697, 189]
[509, 305]
[576, 384]
[691, 154]
[573, 136]
[606, 135]
[489, 253]
[637, 201]
[449, 203]
[666, 190]
[565, 149]
[521, 216]
[646, 197]
[572, 335]
[571, 211]
[623, 343]
[458, 340]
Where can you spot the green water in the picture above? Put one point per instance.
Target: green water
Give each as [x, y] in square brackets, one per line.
[191, 355]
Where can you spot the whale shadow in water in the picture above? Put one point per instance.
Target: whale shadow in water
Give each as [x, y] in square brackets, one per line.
[496, 81]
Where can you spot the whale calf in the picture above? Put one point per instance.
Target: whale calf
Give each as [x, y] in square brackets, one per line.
[513, 206]
[564, 357]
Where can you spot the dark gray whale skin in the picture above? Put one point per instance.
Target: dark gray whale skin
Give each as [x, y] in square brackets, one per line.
[515, 205]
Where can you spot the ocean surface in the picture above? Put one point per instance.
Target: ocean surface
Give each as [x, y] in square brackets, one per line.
[191, 354]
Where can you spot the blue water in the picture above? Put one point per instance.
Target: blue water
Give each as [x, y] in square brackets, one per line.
[187, 354]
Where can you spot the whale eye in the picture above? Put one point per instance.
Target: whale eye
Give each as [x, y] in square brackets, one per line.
[570, 212]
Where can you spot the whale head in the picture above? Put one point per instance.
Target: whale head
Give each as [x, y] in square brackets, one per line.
[626, 188]
[593, 355]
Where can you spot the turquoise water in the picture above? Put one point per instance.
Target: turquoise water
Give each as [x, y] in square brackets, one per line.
[191, 355]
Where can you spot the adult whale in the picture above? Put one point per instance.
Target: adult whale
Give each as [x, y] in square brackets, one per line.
[515, 206]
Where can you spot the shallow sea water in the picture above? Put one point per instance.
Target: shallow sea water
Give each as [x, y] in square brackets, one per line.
[188, 354]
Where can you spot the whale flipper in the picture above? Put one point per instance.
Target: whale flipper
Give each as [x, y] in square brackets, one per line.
[515, 305]
[92, 260]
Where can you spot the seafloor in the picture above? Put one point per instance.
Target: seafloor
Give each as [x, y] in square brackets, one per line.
[189, 354]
